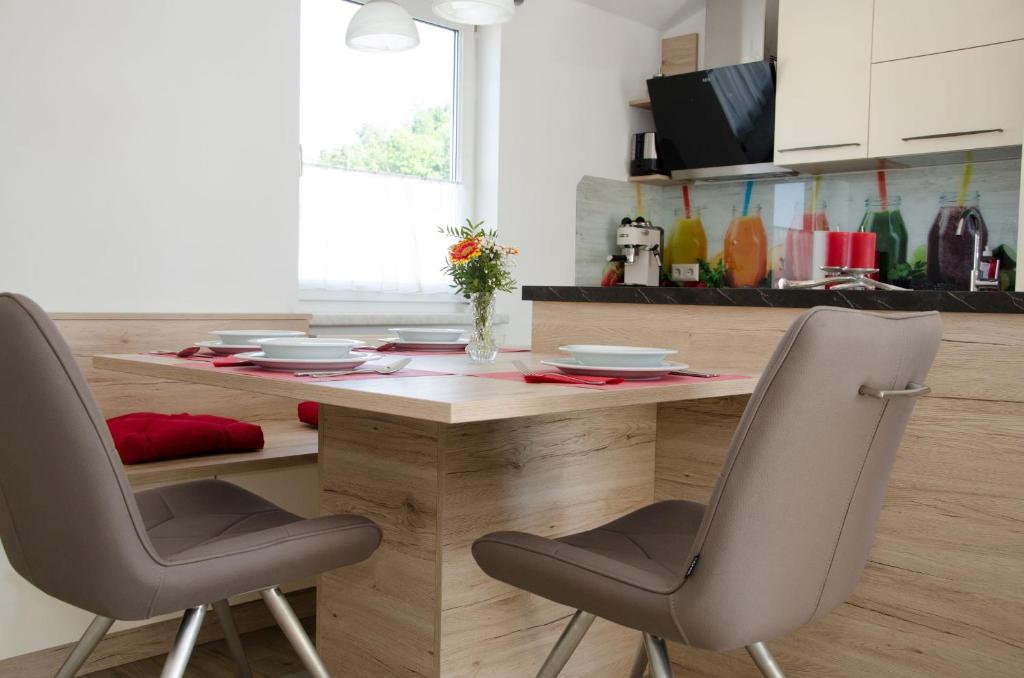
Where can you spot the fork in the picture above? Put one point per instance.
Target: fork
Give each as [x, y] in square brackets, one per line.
[590, 381]
[396, 366]
[695, 373]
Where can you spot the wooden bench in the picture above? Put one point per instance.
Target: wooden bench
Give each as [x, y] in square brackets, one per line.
[288, 443]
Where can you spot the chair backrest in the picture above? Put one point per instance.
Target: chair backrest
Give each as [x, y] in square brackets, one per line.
[787, 532]
[68, 518]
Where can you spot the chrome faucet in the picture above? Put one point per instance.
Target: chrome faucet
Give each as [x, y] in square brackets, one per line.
[977, 280]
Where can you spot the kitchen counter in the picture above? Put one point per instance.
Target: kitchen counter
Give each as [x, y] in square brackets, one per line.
[868, 300]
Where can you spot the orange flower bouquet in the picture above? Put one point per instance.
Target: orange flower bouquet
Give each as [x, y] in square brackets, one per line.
[480, 268]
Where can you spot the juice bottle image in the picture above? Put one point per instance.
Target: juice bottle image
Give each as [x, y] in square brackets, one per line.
[799, 252]
[745, 250]
[687, 243]
[883, 218]
[950, 256]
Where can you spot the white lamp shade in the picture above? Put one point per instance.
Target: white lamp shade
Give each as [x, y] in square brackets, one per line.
[382, 26]
[478, 12]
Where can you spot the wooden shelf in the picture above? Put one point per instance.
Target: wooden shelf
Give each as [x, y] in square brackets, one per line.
[656, 180]
[288, 443]
[641, 103]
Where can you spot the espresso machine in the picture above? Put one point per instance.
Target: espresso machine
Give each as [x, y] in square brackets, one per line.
[641, 244]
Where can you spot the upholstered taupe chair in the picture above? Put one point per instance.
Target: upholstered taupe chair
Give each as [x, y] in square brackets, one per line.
[72, 526]
[786, 534]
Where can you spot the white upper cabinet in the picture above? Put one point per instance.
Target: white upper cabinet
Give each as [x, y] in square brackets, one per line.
[824, 80]
[910, 28]
[953, 101]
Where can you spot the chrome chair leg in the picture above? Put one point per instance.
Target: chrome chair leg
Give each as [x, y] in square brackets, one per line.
[657, 653]
[566, 645]
[184, 643]
[765, 661]
[84, 647]
[292, 627]
[640, 663]
[231, 637]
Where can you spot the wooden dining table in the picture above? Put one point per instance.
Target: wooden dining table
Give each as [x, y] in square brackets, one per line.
[440, 460]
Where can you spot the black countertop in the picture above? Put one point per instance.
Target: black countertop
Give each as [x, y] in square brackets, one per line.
[868, 300]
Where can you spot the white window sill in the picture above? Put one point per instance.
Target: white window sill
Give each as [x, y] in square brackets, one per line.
[327, 324]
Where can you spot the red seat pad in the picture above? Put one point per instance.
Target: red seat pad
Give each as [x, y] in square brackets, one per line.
[309, 413]
[148, 436]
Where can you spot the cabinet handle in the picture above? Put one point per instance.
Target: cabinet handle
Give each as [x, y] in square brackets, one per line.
[946, 135]
[817, 148]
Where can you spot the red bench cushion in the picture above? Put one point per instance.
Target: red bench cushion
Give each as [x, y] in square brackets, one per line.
[309, 413]
[147, 436]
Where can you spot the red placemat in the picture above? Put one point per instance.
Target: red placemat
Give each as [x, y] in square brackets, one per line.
[205, 364]
[670, 380]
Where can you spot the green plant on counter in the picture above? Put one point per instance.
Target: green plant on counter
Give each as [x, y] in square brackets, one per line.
[712, 277]
[918, 270]
[920, 255]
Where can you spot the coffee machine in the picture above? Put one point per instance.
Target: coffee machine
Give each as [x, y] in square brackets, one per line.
[641, 244]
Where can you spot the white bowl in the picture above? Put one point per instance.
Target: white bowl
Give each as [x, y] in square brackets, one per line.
[618, 356]
[308, 348]
[240, 337]
[427, 334]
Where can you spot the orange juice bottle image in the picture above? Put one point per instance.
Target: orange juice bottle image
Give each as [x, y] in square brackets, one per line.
[687, 243]
[745, 250]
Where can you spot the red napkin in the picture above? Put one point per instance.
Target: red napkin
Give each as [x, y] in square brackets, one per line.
[147, 436]
[309, 413]
[230, 361]
[567, 379]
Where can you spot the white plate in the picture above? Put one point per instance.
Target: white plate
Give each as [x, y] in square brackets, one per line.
[426, 345]
[293, 365]
[308, 348]
[570, 366]
[236, 337]
[427, 334]
[224, 349]
[617, 356]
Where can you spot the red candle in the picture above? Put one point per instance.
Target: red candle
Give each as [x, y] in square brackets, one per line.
[862, 250]
[837, 248]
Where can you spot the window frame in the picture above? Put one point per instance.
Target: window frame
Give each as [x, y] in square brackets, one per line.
[463, 155]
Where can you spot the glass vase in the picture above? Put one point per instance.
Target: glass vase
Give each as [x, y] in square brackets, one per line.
[483, 344]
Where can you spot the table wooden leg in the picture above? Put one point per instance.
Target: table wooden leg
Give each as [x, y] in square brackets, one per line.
[421, 607]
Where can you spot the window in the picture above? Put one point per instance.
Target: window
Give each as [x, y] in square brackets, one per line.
[382, 146]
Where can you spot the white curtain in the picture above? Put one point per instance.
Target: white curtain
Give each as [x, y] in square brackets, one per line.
[365, 232]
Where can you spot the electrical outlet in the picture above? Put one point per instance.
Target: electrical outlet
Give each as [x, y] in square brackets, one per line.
[685, 272]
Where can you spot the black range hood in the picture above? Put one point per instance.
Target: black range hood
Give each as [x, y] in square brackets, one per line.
[717, 124]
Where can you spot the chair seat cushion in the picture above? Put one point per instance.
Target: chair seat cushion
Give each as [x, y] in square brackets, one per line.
[143, 437]
[623, 571]
[218, 540]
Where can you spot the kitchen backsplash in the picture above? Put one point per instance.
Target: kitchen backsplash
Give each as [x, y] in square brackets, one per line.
[784, 206]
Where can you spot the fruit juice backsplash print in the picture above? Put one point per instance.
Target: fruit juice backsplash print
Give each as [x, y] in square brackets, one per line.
[750, 234]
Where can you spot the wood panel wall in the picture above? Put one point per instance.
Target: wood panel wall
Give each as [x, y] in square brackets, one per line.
[943, 592]
[119, 393]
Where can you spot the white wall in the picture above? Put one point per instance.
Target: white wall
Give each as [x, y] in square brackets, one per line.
[148, 162]
[567, 73]
[149, 154]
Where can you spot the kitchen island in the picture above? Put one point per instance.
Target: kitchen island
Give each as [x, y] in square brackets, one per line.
[943, 593]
